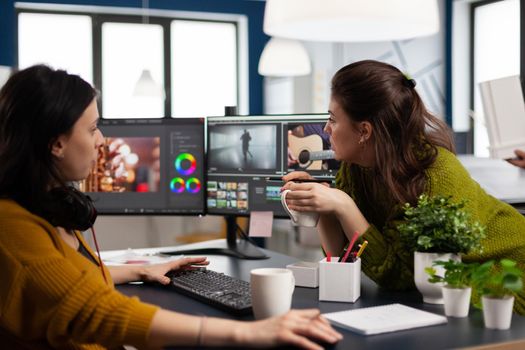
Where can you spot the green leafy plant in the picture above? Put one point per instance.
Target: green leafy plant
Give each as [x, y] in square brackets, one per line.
[439, 225]
[498, 280]
[457, 274]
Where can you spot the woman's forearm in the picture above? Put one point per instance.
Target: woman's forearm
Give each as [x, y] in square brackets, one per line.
[293, 328]
[331, 234]
[126, 273]
[351, 219]
[337, 228]
[171, 328]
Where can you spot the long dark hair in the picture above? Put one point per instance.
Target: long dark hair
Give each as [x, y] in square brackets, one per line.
[405, 135]
[37, 105]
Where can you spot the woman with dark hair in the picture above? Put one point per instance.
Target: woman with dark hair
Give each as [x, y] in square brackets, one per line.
[54, 291]
[393, 150]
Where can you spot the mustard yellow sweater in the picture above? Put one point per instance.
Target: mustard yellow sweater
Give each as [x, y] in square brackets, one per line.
[53, 297]
[390, 265]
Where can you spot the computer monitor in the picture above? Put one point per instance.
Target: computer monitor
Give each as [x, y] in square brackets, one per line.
[149, 166]
[247, 156]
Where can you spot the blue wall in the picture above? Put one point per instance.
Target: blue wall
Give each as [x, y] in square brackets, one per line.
[254, 10]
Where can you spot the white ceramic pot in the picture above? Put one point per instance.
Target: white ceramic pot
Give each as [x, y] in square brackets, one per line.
[431, 292]
[497, 313]
[457, 301]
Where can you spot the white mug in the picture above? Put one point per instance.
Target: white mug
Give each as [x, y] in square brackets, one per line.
[272, 291]
[299, 218]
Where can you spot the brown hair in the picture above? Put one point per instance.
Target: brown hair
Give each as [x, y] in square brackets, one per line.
[405, 135]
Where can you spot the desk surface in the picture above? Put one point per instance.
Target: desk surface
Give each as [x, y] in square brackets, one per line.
[457, 333]
[498, 177]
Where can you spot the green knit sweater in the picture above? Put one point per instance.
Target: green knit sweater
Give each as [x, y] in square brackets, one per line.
[386, 260]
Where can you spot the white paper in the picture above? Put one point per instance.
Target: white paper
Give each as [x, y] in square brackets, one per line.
[383, 319]
[131, 257]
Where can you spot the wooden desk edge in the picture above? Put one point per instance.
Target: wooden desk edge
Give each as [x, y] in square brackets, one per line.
[511, 345]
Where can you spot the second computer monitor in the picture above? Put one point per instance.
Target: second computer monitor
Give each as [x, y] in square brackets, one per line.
[247, 155]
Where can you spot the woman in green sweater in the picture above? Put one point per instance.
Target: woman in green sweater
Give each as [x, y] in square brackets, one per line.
[394, 150]
[54, 291]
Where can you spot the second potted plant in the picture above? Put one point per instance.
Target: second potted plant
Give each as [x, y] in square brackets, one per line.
[437, 229]
[496, 283]
[456, 285]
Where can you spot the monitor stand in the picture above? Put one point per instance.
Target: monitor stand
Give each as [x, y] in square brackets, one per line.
[239, 248]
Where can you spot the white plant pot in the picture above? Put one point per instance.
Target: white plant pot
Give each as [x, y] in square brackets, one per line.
[431, 292]
[497, 313]
[457, 301]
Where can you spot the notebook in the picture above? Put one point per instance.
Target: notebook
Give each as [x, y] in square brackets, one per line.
[504, 115]
[384, 319]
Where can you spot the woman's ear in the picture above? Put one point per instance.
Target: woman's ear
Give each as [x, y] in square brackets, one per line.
[365, 129]
[58, 147]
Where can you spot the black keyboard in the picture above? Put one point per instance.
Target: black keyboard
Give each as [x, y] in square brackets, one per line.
[214, 288]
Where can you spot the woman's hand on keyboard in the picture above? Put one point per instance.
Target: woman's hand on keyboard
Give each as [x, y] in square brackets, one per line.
[156, 273]
[294, 327]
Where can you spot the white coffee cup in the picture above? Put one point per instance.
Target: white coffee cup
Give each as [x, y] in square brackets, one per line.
[272, 291]
[300, 218]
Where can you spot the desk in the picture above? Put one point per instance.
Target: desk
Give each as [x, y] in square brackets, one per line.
[457, 333]
[498, 177]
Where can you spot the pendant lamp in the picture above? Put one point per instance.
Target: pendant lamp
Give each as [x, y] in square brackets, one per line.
[351, 20]
[284, 58]
[146, 85]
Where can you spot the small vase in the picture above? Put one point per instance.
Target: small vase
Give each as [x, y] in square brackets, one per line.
[431, 292]
[497, 312]
[457, 301]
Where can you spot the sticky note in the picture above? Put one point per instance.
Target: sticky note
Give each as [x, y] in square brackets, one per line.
[261, 224]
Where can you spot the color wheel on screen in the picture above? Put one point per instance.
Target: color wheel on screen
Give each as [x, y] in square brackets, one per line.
[193, 185]
[185, 164]
[177, 185]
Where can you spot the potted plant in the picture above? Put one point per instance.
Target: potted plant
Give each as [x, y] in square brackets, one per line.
[496, 283]
[456, 285]
[437, 229]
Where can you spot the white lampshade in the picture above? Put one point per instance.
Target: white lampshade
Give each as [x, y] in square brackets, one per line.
[284, 58]
[351, 20]
[147, 87]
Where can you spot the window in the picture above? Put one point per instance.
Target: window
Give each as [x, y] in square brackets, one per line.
[123, 61]
[204, 67]
[42, 39]
[496, 54]
[196, 58]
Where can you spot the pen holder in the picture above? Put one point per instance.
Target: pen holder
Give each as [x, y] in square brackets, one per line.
[339, 281]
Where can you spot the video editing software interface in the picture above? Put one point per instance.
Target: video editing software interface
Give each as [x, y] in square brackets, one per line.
[149, 166]
[247, 155]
